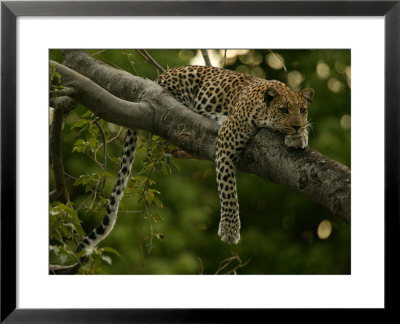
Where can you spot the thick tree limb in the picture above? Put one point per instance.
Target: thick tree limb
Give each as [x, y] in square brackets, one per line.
[135, 102]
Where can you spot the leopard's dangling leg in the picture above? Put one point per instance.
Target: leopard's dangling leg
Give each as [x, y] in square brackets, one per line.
[102, 231]
[231, 140]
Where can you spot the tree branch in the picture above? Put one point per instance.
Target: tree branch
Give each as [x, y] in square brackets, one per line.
[139, 103]
[60, 192]
[206, 57]
[150, 59]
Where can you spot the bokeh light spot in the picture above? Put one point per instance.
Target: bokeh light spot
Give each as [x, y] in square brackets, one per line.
[324, 229]
[340, 67]
[258, 72]
[345, 121]
[233, 53]
[347, 71]
[294, 79]
[243, 69]
[334, 85]
[323, 70]
[215, 57]
[251, 58]
[275, 61]
[186, 54]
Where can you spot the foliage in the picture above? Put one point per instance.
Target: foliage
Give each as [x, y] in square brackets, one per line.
[169, 215]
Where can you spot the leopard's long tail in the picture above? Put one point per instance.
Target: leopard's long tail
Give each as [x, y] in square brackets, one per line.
[102, 230]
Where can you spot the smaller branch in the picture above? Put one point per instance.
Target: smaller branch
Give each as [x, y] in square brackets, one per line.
[56, 156]
[206, 57]
[224, 58]
[116, 136]
[130, 62]
[130, 211]
[84, 203]
[53, 195]
[201, 271]
[107, 61]
[99, 52]
[59, 269]
[96, 121]
[241, 265]
[226, 262]
[149, 59]
[108, 142]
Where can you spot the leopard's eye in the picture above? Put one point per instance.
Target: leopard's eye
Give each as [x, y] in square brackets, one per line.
[303, 110]
[284, 110]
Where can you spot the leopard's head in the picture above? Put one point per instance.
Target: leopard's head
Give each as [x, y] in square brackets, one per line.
[287, 111]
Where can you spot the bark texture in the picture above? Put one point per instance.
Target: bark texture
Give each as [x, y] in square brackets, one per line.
[139, 103]
[60, 192]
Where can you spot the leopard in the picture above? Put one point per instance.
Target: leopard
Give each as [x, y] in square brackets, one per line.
[241, 104]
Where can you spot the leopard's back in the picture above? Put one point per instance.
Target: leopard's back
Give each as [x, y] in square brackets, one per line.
[209, 91]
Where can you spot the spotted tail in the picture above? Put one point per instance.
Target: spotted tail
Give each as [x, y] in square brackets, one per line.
[106, 226]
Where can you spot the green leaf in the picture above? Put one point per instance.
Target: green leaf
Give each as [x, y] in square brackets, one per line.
[80, 123]
[174, 164]
[158, 202]
[87, 113]
[79, 142]
[107, 259]
[165, 169]
[113, 251]
[92, 141]
[80, 146]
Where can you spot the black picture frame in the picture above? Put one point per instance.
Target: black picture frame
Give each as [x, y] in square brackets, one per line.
[9, 13]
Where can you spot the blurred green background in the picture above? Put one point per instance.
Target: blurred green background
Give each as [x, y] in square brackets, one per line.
[282, 232]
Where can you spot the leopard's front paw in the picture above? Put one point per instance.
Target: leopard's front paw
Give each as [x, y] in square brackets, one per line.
[229, 233]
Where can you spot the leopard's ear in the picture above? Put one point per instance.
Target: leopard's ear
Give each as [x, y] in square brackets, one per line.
[270, 93]
[308, 93]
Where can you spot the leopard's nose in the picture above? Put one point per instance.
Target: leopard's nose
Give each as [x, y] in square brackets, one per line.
[296, 128]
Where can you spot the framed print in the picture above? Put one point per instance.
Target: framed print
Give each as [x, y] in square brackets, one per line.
[297, 93]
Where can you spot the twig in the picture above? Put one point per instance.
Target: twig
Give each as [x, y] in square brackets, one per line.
[130, 211]
[93, 192]
[226, 262]
[59, 269]
[149, 59]
[96, 121]
[130, 62]
[116, 136]
[224, 58]
[145, 212]
[98, 53]
[108, 142]
[84, 203]
[108, 61]
[201, 271]
[207, 60]
[241, 265]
